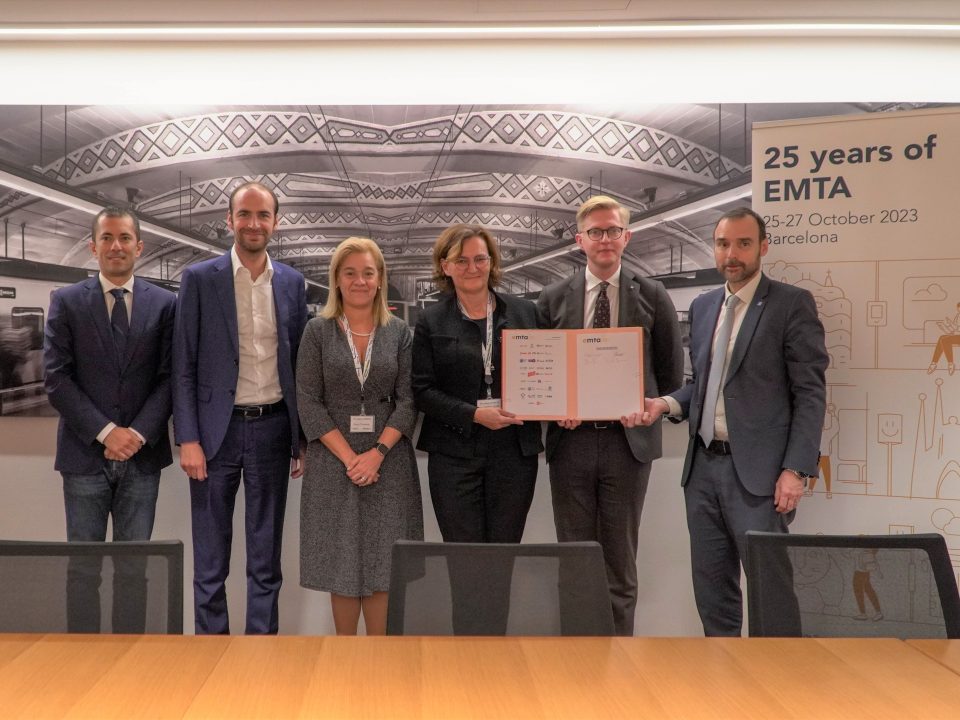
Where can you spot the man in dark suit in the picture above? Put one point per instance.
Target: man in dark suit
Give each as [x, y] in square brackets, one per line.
[755, 407]
[107, 352]
[599, 470]
[239, 321]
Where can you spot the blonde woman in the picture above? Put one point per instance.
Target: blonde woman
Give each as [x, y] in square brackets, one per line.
[361, 491]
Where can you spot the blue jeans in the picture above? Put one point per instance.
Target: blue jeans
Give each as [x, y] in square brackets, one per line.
[130, 497]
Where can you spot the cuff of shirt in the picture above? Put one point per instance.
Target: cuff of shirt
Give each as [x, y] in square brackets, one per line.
[675, 409]
[107, 429]
[143, 440]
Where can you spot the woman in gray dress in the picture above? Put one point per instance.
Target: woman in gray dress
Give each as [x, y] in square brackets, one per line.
[361, 491]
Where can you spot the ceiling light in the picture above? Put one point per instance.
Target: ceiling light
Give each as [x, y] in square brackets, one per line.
[88, 32]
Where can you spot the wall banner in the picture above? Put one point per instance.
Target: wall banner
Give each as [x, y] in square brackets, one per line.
[862, 212]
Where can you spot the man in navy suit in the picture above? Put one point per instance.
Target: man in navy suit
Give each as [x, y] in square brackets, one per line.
[239, 321]
[107, 356]
[756, 409]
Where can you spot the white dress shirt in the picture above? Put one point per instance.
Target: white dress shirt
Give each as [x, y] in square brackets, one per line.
[745, 294]
[258, 381]
[593, 291]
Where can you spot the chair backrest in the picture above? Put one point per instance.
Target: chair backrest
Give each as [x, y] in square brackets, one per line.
[95, 587]
[498, 589]
[900, 586]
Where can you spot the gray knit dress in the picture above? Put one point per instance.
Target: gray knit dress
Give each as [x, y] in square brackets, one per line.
[346, 532]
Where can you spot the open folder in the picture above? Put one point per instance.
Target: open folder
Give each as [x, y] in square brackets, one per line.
[582, 374]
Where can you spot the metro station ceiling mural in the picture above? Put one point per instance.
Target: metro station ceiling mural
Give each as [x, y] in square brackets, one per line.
[397, 174]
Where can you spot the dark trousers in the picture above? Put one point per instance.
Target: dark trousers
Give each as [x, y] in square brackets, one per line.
[482, 499]
[598, 489]
[256, 450]
[720, 511]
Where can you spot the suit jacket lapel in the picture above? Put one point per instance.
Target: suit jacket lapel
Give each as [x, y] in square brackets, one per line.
[573, 302]
[281, 306]
[748, 327]
[707, 326]
[626, 313]
[142, 298]
[97, 309]
[223, 282]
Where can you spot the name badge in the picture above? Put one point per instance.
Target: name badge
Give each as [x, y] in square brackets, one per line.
[361, 423]
[488, 402]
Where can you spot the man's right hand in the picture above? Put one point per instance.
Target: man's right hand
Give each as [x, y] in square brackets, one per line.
[121, 444]
[653, 408]
[193, 461]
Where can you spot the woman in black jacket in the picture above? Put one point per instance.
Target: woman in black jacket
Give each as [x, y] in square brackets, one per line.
[482, 460]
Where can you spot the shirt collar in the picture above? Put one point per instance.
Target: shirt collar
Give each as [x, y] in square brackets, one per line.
[593, 280]
[107, 285]
[745, 293]
[235, 263]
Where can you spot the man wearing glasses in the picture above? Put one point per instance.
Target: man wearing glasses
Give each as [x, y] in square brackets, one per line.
[599, 470]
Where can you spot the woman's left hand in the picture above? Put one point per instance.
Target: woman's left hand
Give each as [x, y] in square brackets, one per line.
[365, 468]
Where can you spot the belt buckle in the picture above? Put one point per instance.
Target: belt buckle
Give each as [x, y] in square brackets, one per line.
[601, 425]
[251, 411]
[719, 447]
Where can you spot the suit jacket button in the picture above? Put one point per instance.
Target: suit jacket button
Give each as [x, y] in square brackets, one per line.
[232, 392]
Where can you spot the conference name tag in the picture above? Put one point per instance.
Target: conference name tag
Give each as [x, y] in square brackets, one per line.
[488, 402]
[361, 423]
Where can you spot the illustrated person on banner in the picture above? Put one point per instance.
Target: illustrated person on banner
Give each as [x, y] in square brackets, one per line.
[107, 361]
[239, 321]
[599, 470]
[950, 327]
[756, 410]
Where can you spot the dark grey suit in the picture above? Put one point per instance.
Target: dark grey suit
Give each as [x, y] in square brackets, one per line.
[774, 395]
[599, 472]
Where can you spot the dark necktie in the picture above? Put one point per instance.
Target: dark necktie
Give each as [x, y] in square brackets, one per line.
[601, 314]
[708, 418]
[119, 322]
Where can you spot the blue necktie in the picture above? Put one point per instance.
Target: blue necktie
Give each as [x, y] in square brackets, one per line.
[718, 363]
[119, 323]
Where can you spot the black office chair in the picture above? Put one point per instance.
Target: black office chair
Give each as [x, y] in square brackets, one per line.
[498, 589]
[92, 587]
[900, 586]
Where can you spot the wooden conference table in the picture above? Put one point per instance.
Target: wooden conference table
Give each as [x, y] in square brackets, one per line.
[54, 676]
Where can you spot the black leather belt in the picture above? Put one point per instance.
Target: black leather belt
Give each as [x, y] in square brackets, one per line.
[250, 412]
[605, 425]
[716, 447]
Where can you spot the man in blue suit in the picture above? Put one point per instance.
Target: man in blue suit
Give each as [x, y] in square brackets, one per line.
[756, 408]
[107, 357]
[239, 321]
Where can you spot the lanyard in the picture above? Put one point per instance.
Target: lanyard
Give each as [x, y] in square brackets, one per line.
[363, 371]
[486, 349]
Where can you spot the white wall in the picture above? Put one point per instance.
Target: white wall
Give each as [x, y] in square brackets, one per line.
[602, 72]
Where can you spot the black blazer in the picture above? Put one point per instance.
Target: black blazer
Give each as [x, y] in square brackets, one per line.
[643, 303]
[448, 374]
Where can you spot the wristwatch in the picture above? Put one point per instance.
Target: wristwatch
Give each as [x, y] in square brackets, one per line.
[382, 449]
[801, 475]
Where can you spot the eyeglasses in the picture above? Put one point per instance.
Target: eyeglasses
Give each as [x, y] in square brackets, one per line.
[479, 262]
[613, 233]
